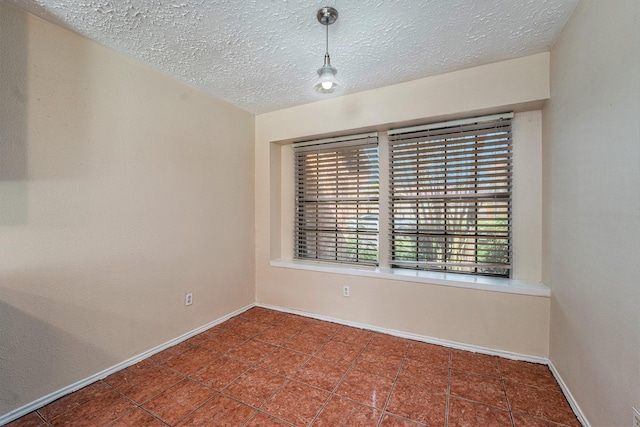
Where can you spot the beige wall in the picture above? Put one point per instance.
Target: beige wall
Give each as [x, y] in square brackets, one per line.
[592, 208]
[120, 190]
[501, 321]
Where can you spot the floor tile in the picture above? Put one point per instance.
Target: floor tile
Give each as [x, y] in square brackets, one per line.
[469, 414]
[540, 403]
[32, 419]
[128, 374]
[284, 361]
[305, 342]
[390, 420]
[255, 387]
[137, 417]
[344, 412]
[98, 411]
[296, 403]
[526, 421]
[150, 384]
[191, 360]
[475, 362]
[387, 344]
[418, 404]
[386, 365]
[224, 342]
[220, 373]
[264, 315]
[263, 420]
[204, 336]
[178, 401]
[353, 336]
[428, 353]
[171, 352]
[323, 329]
[366, 388]
[251, 352]
[339, 353]
[425, 375]
[276, 335]
[321, 373]
[479, 388]
[72, 400]
[219, 411]
[532, 374]
[250, 329]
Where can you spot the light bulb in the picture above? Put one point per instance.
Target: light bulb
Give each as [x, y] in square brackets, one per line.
[327, 85]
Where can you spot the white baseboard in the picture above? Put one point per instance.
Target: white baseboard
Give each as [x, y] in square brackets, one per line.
[572, 402]
[39, 403]
[416, 337]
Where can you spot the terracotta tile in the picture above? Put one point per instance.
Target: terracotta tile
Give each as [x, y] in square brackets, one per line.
[128, 374]
[425, 375]
[171, 352]
[98, 411]
[233, 322]
[479, 388]
[367, 388]
[353, 336]
[137, 417]
[532, 374]
[540, 403]
[72, 400]
[339, 353]
[32, 419]
[418, 404]
[223, 342]
[394, 421]
[220, 373]
[305, 342]
[323, 329]
[386, 365]
[526, 421]
[428, 353]
[296, 403]
[219, 411]
[295, 321]
[191, 360]
[284, 361]
[255, 387]
[276, 335]
[251, 352]
[388, 344]
[250, 329]
[469, 414]
[178, 401]
[263, 420]
[475, 362]
[322, 374]
[150, 384]
[264, 315]
[345, 412]
[204, 336]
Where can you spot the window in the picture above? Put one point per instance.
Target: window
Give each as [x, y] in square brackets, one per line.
[337, 199]
[450, 196]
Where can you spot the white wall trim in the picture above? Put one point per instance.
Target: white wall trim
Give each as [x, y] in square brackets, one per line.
[415, 337]
[565, 390]
[39, 403]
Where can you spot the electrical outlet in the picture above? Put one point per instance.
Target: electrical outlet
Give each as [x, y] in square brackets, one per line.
[188, 298]
[636, 418]
[345, 291]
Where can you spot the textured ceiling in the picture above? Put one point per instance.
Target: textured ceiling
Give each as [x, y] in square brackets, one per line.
[262, 55]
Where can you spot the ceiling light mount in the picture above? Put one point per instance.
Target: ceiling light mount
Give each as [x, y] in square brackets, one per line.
[327, 82]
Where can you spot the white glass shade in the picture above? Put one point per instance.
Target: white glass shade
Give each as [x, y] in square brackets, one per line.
[326, 82]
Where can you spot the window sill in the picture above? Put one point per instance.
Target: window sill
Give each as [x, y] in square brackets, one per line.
[491, 284]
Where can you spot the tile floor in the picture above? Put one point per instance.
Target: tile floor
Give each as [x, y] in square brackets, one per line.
[266, 368]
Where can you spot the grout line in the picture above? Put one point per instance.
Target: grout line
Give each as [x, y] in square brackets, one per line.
[393, 385]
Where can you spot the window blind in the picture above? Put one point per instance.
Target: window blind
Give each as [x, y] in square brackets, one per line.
[450, 196]
[337, 199]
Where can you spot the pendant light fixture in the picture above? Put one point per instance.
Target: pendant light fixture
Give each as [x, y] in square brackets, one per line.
[327, 82]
